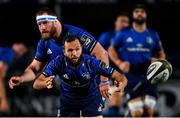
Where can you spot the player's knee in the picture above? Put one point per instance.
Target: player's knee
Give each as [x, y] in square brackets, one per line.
[137, 113]
[136, 107]
[149, 103]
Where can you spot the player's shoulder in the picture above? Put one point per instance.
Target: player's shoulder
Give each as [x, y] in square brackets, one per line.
[6, 50]
[108, 32]
[59, 58]
[87, 57]
[152, 31]
[125, 30]
[73, 28]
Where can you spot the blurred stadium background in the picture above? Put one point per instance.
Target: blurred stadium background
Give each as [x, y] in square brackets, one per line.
[17, 21]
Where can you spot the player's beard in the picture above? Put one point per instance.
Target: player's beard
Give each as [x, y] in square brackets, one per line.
[74, 62]
[48, 35]
[139, 21]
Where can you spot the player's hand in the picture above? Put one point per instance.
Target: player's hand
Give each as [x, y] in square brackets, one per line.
[153, 59]
[125, 66]
[104, 89]
[15, 81]
[48, 82]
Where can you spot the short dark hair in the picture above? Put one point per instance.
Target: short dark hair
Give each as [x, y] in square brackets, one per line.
[70, 38]
[46, 10]
[140, 6]
[122, 14]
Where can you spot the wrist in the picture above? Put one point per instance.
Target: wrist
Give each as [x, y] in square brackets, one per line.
[103, 79]
[119, 63]
[105, 82]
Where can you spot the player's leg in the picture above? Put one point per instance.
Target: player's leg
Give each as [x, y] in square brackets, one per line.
[93, 107]
[136, 107]
[149, 99]
[68, 108]
[135, 102]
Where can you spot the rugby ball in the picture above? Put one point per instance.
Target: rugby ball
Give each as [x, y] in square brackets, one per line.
[159, 71]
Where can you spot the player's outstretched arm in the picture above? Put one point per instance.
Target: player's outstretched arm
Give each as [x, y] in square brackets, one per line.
[121, 80]
[43, 82]
[28, 75]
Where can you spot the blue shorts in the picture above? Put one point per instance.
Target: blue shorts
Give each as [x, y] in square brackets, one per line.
[89, 107]
[144, 88]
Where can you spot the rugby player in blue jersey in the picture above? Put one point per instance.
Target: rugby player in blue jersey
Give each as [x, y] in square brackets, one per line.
[122, 21]
[132, 51]
[79, 90]
[50, 46]
[7, 56]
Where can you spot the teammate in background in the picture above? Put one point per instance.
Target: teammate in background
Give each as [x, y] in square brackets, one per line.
[79, 90]
[50, 46]
[132, 51]
[7, 55]
[122, 21]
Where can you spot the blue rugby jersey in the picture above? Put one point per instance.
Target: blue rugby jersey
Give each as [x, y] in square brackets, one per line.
[137, 48]
[7, 55]
[50, 49]
[105, 38]
[78, 81]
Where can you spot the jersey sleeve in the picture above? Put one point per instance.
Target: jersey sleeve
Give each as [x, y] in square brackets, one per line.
[53, 67]
[116, 42]
[102, 68]
[41, 54]
[158, 45]
[88, 42]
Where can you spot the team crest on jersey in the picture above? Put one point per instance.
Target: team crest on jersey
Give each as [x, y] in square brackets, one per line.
[86, 75]
[129, 40]
[149, 40]
[85, 40]
[49, 51]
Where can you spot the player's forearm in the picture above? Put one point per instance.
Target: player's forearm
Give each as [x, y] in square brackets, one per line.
[119, 77]
[101, 54]
[114, 57]
[39, 83]
[28, 76]
[162, 54]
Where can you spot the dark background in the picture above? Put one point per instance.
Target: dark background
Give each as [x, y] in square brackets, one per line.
[17, 18]
[17, 23]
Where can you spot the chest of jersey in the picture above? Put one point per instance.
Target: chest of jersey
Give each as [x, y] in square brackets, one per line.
[53, 49]
[138, 42]
[77, 77]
